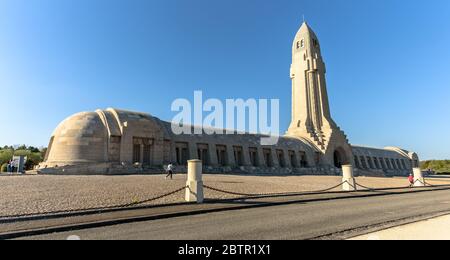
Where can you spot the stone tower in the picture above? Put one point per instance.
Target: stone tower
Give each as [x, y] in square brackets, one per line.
[311, 117]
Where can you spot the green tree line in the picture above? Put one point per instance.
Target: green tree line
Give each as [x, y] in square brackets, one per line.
[34, 155]
[439, 166]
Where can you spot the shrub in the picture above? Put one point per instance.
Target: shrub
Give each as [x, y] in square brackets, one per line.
[33, 160]
[5, 156]
[22, 153]
[4, 167]
[439, 166]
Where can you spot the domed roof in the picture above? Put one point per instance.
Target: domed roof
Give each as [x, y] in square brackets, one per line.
[80, 138]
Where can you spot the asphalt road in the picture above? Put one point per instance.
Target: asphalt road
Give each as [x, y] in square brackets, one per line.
[295, 221]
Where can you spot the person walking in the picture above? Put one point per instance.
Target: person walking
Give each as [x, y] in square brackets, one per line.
[9, 167]
[411, 180]
[170, 169]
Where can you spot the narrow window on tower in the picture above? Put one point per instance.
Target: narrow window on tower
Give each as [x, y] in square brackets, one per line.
[315, 42]
[301, 44]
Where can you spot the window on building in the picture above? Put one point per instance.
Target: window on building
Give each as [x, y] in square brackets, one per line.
[147, 156]
[315, 42]
[399, 165]
[293, 159]
[253, 156]
[404, 164]
[142, 150]
[357, 164]
[203, 153]
[178, 155]
[382, 163]
[377, 165]
[182, 153]
[268, 157]
[239, 155]
[136, 153]
[222, 155]
[394, 166]
[369, 161]
[388, 165]
[301, 44]
[363, 162]
[281, 160]
[303, 160]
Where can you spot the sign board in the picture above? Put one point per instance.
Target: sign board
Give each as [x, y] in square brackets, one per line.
[18, 162]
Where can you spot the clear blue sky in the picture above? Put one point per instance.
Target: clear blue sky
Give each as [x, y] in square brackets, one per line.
[388, 62]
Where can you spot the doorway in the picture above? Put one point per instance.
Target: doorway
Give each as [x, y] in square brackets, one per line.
[340, 158]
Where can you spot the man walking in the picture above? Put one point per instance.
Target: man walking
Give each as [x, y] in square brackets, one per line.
[170, 169]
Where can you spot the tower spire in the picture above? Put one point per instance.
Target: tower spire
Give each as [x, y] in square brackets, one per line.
[311, 117]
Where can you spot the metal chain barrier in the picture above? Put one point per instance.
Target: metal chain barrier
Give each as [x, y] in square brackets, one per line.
[377, 189]
[310, 192]
[431, 185]
[271, 194]
[128, 205]
[419, 181]
[406, 187]
[364, 187]
[425, 183]
[120, 206]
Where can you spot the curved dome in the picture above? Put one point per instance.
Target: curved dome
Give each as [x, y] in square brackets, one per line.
[81, 138]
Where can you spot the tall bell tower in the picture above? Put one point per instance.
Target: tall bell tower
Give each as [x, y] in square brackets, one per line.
[311, 117]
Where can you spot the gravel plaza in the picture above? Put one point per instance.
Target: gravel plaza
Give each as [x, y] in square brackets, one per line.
[45, 193]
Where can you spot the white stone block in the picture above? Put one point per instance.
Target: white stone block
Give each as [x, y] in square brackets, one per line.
[419, 180]
[194, 189]
[348, 178]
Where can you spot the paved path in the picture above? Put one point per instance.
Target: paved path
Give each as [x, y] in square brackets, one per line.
[432, 229]
[307, 220]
